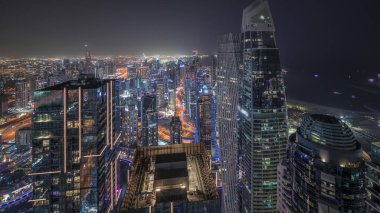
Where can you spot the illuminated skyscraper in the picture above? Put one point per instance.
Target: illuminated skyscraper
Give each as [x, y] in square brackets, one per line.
[263, 114]
[175, 130]
[160, 90]
[227, 97]
[74, 147]
[87, 64]
[149, 120]
[3, 104]
[22, 94]
[130, 120]
[326, 166]
[373, 180]
[204, 118]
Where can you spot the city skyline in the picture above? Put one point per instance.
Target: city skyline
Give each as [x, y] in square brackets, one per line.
[225, 106]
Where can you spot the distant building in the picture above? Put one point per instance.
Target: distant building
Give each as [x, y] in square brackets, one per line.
[22, 94]
[143, 72]
[326, 168]
[160, 90]
[173, 178]
[172, 99]
[24, 138]
[373, 180]
[3, 104]
[204, 118]
[74, 147]
[191, 90]
[149, 120]
[175, 130]
[130, 122]
[132, 72]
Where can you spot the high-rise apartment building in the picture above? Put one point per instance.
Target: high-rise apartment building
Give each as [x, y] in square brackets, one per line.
[175, 130]
[160, 90]
[263, 114]
[130, 121]
[326, 167]
[373, 180]
[3, 104]
[149, 120]
[22, 94]
[227, 97]
[204, 118]
[74, 147]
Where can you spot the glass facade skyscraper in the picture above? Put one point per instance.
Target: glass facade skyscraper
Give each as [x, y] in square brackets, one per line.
[227, 97]
[373, 180]
[74, 147]
[262, 110]
[175, 130]
[149, 120]
[326, 166]
[204, 118]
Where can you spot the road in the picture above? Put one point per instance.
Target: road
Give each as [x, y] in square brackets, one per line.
[9, 131]
[188, 130]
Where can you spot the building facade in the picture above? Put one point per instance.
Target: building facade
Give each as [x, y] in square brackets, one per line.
[3, 104]
[23, 138]
[149, 120]
[74, 147]
[373, 180]
[262, 111]
[204, 118]
[326, 166]
[227, 97]
[22, 94]
[175, 130]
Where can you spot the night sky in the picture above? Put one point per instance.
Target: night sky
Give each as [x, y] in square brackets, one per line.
[331, 38]
[61, 27]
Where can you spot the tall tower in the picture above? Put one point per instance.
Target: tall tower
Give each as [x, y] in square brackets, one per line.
[149, 120]
[227, 97]
[175, 130]
[263, 114]
[74, 147]
[204, 116]
[327, 170]
[87, 63]
[22, 94]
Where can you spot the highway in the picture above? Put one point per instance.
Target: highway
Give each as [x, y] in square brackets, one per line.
[8, 131]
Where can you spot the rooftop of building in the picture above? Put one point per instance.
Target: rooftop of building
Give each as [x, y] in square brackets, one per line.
[85, 82]
[162, 174]
[328, 131]
[325, 118]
